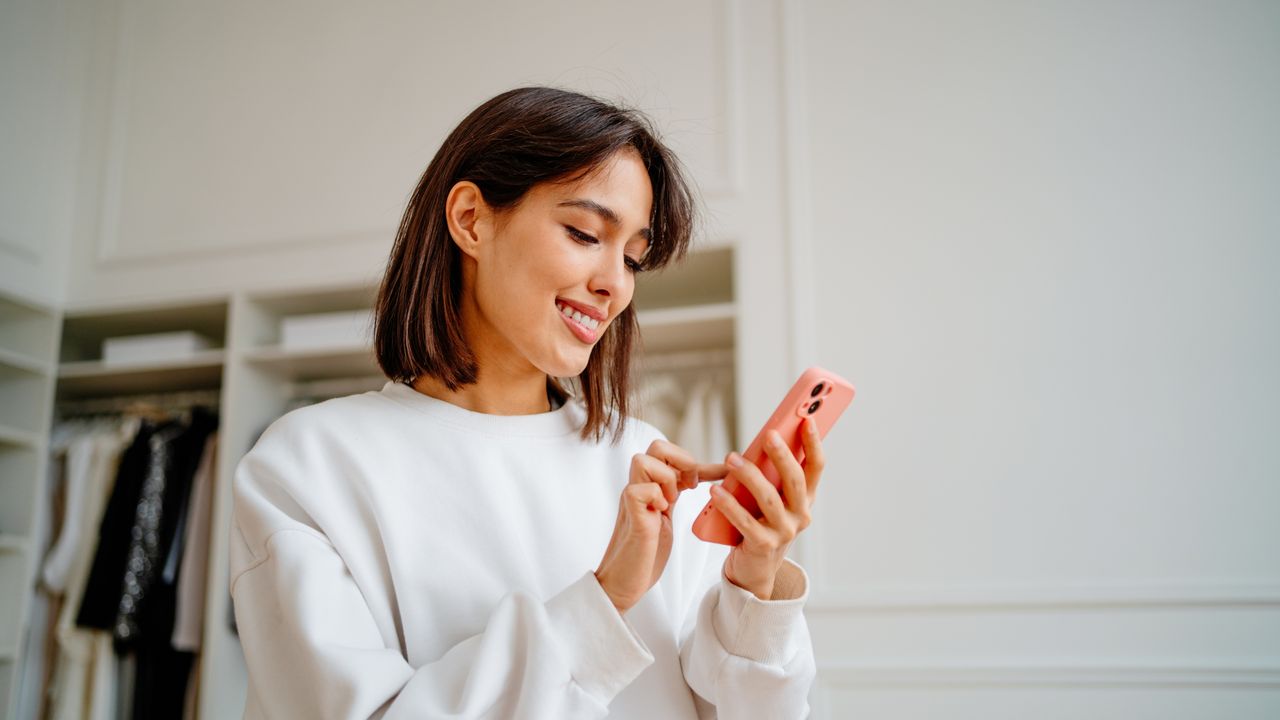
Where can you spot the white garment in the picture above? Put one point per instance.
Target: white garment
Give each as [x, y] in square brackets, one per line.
[660, 400]
[86, 676]
[397, 556]
[57, 563]
[704, 431]
[193, 570]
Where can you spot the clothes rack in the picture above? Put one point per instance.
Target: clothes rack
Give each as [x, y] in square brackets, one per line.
[118, 404]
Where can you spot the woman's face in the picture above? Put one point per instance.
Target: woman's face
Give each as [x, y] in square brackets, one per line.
[568, 247]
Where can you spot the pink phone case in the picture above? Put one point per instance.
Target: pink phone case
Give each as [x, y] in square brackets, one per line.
[819, 393]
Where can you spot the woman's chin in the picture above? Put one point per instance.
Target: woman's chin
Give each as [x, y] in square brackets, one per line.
[567, 366]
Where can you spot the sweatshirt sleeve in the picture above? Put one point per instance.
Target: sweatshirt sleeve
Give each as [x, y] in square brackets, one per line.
[314, 648]
[750, 658]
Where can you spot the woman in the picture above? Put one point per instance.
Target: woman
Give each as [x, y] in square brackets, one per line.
[448, 546]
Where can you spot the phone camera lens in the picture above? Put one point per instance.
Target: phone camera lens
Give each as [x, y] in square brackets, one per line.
[817, 389]
[814, 407]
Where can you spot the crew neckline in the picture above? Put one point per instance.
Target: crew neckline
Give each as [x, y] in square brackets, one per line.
[561, 421]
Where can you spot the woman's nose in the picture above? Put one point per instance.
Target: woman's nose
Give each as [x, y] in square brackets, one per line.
[610, 277]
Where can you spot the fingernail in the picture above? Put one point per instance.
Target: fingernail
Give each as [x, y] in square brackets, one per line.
[810, 426]
[734, 460]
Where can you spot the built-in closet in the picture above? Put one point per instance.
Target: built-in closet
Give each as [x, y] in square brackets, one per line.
[52, 371]
[28, 370]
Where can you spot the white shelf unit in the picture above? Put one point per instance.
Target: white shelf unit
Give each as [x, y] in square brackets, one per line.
[688, 308]
[28, 349]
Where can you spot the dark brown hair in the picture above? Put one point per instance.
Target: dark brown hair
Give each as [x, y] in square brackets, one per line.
[506, 146]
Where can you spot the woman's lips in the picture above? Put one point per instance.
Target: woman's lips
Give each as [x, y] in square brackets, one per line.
[583, 333]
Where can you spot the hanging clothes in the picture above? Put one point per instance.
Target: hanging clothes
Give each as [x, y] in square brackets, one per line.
[101, 596]
[162, 671]
[129, 592]
[86, 676]
[661, 401]
[704, 430]
[189, 622]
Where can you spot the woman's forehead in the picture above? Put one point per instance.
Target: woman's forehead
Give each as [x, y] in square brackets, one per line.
[617, 191]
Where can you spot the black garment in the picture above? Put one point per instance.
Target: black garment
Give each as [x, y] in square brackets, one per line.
[145, 537]
[162, 672]
[101, 596]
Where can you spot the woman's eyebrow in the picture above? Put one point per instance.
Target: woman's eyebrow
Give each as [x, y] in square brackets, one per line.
[608, 215]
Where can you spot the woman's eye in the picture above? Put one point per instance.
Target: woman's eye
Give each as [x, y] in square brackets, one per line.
[633, 265]
[580, 236]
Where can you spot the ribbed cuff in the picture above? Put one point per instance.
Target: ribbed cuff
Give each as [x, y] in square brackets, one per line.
[604, 652]
[765, 631]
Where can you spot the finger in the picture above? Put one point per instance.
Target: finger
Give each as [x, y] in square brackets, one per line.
[728, 505]
[672, 454]
[815, 459]
[677, 457]
[718, 471]
[766, 495]
[649, 469]
[645, 497]
[795, 495]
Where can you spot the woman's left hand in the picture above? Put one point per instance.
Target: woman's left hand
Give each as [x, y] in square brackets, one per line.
[753, 564]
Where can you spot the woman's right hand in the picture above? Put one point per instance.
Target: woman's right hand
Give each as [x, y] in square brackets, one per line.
[642, 535]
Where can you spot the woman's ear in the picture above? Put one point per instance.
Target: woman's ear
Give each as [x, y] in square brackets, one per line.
[468, 216]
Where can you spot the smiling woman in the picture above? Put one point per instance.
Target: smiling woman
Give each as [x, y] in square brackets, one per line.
[519, 176]
[427, 550]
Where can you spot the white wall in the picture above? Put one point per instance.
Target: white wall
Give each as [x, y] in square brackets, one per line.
[1036, 235]
[266, 144]
[43, 74]
[1044, 240]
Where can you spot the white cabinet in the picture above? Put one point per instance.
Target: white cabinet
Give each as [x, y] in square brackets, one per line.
[28, 346]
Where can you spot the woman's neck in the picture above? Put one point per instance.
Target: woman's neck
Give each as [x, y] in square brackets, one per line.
[492, 396]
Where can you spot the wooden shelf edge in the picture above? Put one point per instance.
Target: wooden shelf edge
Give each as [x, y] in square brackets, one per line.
[97, 368]
[11, 543]
[277, 353]
[24, 362]
[10, 435]
[687, 314]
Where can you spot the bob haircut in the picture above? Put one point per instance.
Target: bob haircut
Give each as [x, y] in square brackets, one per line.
[506, 146]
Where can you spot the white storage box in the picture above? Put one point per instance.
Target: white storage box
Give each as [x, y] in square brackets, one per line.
[155, 347]
[345, 329]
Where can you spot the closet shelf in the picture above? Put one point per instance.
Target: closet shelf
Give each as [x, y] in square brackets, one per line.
[314, 363]
[14, 360]
[95, 378]
[12, 543]
[10, 435]
[696, 327]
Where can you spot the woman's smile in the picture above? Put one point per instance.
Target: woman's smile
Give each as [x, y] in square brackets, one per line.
[586, 328]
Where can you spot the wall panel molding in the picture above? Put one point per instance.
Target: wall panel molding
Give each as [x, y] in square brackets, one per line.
[732, 183]
[110, 250]
[21, 252]
[1019, 673]
[939, 597]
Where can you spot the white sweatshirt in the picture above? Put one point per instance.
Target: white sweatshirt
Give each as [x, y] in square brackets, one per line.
[396, 556]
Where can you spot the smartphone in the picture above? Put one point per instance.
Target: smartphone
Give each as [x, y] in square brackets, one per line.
[820, 394]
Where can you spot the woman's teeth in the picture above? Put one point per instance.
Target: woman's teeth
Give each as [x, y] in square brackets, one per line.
[578, 317]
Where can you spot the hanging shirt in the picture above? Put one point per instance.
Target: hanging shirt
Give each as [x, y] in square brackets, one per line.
[396, 556]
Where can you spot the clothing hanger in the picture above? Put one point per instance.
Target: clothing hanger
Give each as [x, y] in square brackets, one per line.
[147, 411]
[157, 407]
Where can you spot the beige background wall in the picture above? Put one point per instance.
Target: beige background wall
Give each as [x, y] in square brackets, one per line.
[1045, 238]
[1042, 239]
